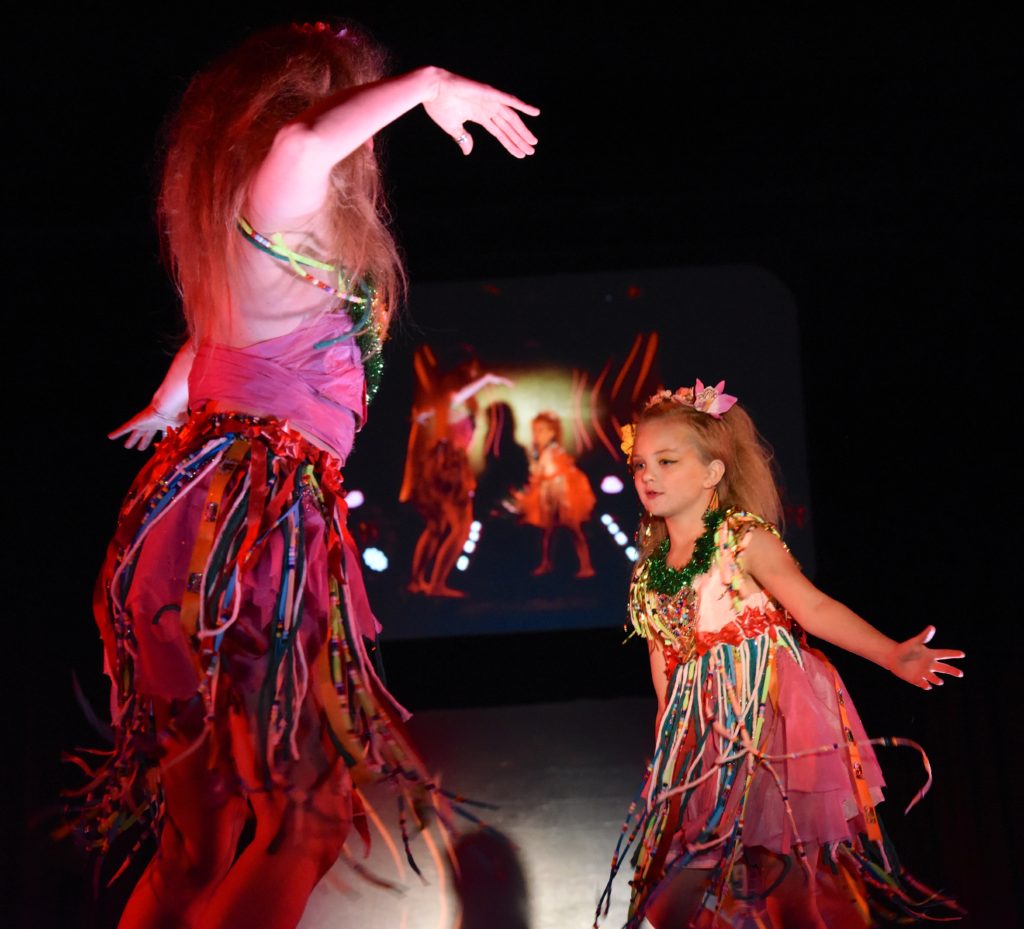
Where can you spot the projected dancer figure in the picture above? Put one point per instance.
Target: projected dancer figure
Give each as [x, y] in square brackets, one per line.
[558, 494]
[760, 757]
[438, 478]
[231, 607]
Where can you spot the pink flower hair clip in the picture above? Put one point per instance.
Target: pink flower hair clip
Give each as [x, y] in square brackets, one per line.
[711, 400]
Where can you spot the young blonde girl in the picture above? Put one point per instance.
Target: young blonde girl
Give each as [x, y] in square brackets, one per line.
[760, 758]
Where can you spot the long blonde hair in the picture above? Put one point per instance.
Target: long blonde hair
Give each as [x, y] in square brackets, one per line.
[749, 480]
[222, 132]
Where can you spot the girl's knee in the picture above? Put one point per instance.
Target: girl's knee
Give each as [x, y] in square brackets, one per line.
[326, 847]
[311, 825]
[199, 861]
[299, 838]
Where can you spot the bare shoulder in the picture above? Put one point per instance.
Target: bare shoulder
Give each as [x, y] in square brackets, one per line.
[765, 554]
[764, 538]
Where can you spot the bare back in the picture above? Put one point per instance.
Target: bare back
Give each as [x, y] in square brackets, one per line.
[267, 298]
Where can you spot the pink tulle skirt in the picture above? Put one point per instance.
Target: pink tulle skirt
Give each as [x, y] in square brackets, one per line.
[760, 752]
[820, 787]
[802, 716]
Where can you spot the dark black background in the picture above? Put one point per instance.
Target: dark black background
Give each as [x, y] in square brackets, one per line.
[866, 160]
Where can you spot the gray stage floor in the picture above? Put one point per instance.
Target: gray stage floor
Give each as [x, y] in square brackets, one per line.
[562, 775]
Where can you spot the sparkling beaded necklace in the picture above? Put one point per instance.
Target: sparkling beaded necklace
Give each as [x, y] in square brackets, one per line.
[669, 581]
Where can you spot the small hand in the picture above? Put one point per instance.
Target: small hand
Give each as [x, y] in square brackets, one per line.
[917, 664]
[459, 100]
[498, 380]
[144, 425]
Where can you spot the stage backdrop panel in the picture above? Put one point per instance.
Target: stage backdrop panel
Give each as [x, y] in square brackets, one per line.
[588, 348]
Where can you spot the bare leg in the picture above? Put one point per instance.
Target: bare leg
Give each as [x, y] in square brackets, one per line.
[545, 551]
[676, 905]
[197, 844]
[298, 837]
[842, 901]
[422, 556]
[582, 551]
[459, 518]
[791, 899]
[270, 884]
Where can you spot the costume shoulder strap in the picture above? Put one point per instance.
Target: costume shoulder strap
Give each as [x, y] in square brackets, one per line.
[730, 541]
[274, 244]
[740, 522]
[638, 610]
[353, 293]
[736, 528]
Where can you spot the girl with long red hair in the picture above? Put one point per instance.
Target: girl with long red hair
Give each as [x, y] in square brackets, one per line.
[233, 616]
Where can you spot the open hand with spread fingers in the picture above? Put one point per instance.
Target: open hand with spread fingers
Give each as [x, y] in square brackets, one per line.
[142, 428]
[458, 101]
[917, 664]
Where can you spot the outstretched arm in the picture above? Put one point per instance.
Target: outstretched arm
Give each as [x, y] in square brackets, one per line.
[168, 407]
[474, 387]
[767, 560]
[292, 183]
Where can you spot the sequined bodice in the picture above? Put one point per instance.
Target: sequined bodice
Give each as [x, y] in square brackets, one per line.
[713, 610]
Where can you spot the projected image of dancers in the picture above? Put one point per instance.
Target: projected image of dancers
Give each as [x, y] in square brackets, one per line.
[439, 481]
[558, 494]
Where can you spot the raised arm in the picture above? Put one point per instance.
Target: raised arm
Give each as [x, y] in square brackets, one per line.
[168, 407]
[767, 560]
[292, 183]
[474, 387]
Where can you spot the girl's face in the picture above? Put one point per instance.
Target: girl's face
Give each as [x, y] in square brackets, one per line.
[670, 477]
[543, 433]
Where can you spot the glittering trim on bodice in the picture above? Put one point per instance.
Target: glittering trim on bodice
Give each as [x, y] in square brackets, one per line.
[674, 620]
[752, 622]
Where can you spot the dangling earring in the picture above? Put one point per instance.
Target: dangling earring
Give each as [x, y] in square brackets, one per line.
[714, 504]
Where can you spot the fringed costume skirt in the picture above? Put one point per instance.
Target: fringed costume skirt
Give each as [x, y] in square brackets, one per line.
[760, 747]
[232, 609]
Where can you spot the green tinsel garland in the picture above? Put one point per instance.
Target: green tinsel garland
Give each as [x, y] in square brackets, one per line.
[368, 338]
[669, 581]
[373, 366]
[366, 332]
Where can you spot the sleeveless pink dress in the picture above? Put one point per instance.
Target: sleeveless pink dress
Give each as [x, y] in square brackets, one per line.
[759, 747]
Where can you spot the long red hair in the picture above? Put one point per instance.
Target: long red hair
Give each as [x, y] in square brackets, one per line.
[221, 133]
